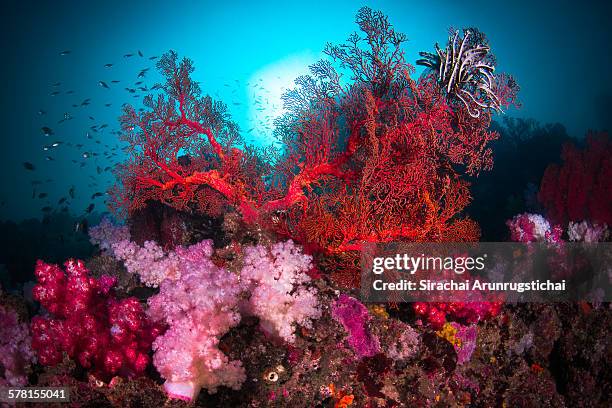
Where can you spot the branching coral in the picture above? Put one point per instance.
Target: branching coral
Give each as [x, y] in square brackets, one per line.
[377, 159]
[581, 188]
[106, 335]
[276, 279]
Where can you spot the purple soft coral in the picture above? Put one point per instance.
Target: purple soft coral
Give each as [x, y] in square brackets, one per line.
[15, 349]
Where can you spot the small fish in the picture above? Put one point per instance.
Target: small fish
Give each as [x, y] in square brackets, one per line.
[56, 84]
[55, 144]
[107, 104]
[28, 166]
[62, 200]
[47, 131]
[81, 226]
[152, 58]
[128, 55]
[142, 73]
[55, 93]
[115, 81]
[103, 84]
[85, 155]
[96, 194]
[65, 52]
[42, 195]
[71, 192]
[90, 208]
[140, 53]
[108, 65]
[49, 158]
[42, 112]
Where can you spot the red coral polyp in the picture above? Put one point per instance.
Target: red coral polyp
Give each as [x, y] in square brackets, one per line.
[106, 335]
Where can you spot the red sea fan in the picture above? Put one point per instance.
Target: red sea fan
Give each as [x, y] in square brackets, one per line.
[106, 335]
[581, 188]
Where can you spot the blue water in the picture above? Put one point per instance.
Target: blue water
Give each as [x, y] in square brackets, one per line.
[247, 53]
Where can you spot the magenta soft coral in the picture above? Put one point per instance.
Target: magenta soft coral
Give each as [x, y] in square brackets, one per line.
[107, 335]
[354, 316]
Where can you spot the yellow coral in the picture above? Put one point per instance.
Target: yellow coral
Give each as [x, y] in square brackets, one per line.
[379, 310]
[449, 333]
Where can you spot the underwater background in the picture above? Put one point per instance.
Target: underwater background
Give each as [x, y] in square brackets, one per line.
[80, 182]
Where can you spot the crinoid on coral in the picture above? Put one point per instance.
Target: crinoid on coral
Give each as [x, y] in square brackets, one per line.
[465, 69]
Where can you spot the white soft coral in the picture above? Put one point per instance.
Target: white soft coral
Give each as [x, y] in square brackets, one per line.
[276, 279]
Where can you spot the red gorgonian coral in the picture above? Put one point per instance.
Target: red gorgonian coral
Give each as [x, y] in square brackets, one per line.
[581, 188]
[86, 321]
[374, 159]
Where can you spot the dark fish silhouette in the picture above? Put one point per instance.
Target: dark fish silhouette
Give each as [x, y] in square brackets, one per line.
[65, 52]
[28, 166]
[128, 55]
[90, 208]
[140, 53]
[96, 194]
[42, 195]
[71, 192]
[103, 84]
[49, 158]
[47, 131]
[62, 200]
[108, 65]
[42, 112]
[115, 81]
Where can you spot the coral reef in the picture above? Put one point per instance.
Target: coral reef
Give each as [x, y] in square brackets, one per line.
[236, 268]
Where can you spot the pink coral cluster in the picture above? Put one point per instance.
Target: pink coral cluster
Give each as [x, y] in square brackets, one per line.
[150, 262]
[107, 233]
[110, 336]
[586, 232]
[533, 228]
[276, 279]
[15, 349]
[353, 316]
[199, 307]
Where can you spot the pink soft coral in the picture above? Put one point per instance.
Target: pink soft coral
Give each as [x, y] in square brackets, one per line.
[277, 278]
[199, 306]
[106, 234]
[150, 262]
[110, 336]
